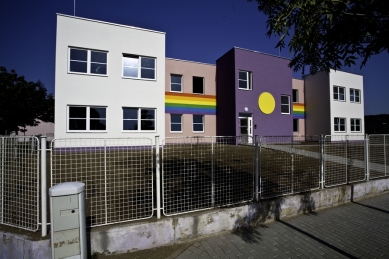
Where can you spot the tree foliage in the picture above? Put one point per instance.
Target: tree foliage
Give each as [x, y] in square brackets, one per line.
[23, 103]
[328, 34]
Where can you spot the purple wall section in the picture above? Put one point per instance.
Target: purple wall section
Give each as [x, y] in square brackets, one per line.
[225, 95]
[270, 74]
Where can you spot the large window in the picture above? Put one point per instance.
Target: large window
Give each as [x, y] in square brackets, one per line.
[138, 67]
[285, 104]
[355, 125]
[295, 125]
[198, 123]
[175, 122]
[138, 119]
[245, 82]
[295, 96]
[175, 83]
[339, 124]
[198, 85]
[87, 61]
[87, 118]
[339, 93]
[355, 96]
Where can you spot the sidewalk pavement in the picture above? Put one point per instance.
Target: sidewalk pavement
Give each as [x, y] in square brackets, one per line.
[355, 230]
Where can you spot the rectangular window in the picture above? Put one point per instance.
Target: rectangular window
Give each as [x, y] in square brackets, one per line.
[87, 61]
[198, 123]
[87, 118]
[175, 122]
[355, 96]
[138, 67]
[245, 82]
[339, 124]
[339, 93]
[295, 96]
[285, 104]
[355, 125]
[198, 85]
[295, 125]
[139, 119]
[176, 83]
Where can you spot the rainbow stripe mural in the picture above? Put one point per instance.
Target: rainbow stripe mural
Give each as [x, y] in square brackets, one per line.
[180, 103]
[298, 111]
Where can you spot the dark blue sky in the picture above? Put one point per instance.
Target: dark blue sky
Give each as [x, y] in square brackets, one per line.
[200, 30]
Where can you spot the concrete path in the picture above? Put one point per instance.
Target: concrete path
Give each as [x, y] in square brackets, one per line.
[355, 230]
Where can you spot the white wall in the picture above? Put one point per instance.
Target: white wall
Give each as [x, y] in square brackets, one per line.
[347, 109]
[112, 91]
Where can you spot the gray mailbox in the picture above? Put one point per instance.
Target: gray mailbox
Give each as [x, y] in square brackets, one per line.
[68, 229]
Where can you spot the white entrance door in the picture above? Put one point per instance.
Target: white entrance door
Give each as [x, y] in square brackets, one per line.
[246, 129]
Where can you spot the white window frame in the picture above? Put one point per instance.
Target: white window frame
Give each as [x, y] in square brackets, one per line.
[353, 93]
[139, 119]
[88, 118]
[249, 81]
[353, 126]
[170, 117]
[139, 67]
[337, 92]
[298, 128]
[203, 85]
[202, 123]
[284, 104]
[88, 61]
[339, 124]
[176, 83]
[297, 95]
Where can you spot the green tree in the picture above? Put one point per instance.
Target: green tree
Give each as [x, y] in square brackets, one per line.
[325, 34]
[23, 103]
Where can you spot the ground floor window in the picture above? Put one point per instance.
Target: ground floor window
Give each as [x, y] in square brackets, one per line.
[139, 119]
[295, 125]
[87, 118]
[355, 125]
[198, 123]
[339, 124]
[175, 122]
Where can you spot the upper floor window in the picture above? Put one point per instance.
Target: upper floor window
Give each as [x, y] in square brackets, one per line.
[355, 95]
[198, 85]
[87, 118]
[175, 122]
[138, 119]
[87, 61]
[355, 125]
[285, 104]
[245, 80]
[339, 124]
[176, 83]
[339, 93]
[138, 67]
[295, 96]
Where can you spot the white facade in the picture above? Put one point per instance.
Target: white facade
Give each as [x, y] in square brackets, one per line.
[105, 86]
[334, 104]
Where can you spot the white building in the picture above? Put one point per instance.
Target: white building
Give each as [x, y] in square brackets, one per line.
[109, 80]
[334, 104]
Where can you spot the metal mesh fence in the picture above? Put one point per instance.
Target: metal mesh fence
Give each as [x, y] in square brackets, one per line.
[204, 172]
[19, 176]
[289, 164]
[378, 156]
[344, 160]
[118, 176]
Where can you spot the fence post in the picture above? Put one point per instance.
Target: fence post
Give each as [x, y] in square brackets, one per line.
[213, 178]
[367, 157]
[385, 162]
[157, 177]
[105, 182]
[347, 159]
[43, 186]
[256, 168]
[2, 180]
[321, 143]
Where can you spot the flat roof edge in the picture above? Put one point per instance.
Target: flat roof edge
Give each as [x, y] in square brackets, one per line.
[176, 59]
[109, 23]
[259, 52]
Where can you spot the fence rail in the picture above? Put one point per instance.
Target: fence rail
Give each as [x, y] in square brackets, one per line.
[198, 173]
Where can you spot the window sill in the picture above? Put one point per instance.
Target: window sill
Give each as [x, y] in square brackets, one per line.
[86, 131]
[198, 132]
[285, 113]
[176, 132]
[137, 78]
[244, 89]
[139, 131]
[340, 100]
[86, 74]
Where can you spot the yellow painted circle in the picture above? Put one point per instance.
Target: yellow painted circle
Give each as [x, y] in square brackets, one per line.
[266, 103]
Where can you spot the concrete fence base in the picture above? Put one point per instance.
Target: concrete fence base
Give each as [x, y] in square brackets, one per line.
[152, 233]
